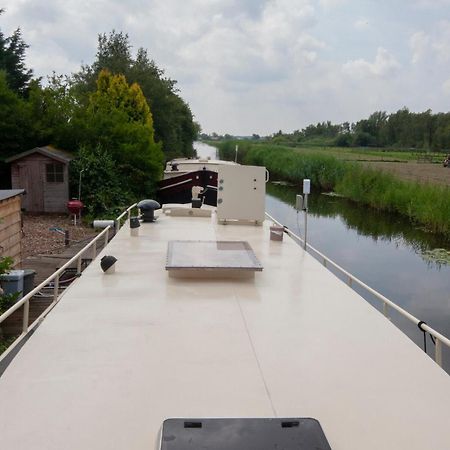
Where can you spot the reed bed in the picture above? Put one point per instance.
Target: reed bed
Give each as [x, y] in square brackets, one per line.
[428, 205]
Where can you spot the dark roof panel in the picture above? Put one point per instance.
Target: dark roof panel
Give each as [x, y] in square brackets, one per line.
[8, 193]
[49, 151]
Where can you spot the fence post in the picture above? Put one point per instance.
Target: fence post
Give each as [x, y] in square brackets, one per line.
[94, 249]
[385, 309]
[106, 237]
[79, 265]
[25, 317]
[438, 352]
[56, 289]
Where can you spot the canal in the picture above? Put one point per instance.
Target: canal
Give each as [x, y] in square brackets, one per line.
[385, 251]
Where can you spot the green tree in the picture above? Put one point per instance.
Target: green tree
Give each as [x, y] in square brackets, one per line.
[12, 61]
[118, 119]
[173, 119]
[15, 120]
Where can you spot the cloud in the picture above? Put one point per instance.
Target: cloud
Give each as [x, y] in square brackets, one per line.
[384, 64]
[419, 43]
[361, 24]
[446, 87]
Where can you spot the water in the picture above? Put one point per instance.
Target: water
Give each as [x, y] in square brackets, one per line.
[385, 251]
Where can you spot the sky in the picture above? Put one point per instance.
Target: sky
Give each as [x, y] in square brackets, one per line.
[259, 66]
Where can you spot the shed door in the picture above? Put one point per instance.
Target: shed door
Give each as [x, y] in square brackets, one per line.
[30, 178]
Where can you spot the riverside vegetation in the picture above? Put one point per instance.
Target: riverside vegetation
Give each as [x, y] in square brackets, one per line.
[428, 205]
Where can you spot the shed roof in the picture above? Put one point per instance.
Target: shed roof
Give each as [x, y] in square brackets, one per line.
[8, 193]
[51, 152]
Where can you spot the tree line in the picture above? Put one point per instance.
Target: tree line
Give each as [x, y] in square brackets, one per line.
[120, 116]
[402, 129]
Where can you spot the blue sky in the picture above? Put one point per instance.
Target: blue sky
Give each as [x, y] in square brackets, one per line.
[248, 66]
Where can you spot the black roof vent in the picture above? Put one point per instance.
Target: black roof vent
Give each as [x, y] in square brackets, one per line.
[243, 434]
[147, 208]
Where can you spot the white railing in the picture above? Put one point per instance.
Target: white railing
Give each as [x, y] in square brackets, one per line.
[117, 222]
[352, 280]
[55, 278]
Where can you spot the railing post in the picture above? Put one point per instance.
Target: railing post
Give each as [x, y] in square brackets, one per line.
[350, 281]
[56, 289]
[385, 309]
[117, 226]
[25, 316]
[129, 214]
[79, 265]
[106, 237]
[438, 352]
[94, 249]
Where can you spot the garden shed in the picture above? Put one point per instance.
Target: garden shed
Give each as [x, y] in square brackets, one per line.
[44, 174]
[11, 224]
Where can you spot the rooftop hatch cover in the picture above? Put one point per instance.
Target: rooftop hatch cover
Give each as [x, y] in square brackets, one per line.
[243, 434]
[212, 257]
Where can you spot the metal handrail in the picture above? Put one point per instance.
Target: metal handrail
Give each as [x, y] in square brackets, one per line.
[439, 338]
[25, 301]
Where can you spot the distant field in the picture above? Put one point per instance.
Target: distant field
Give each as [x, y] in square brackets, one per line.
[372, 154]
[413, 171]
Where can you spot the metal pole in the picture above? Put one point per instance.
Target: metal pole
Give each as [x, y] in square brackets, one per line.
[79, 185]
[26, 315]
[79, 265]
[305, 209]
[438, 352]
[56, 289]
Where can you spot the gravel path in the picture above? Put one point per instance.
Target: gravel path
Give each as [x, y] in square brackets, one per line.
[38, 239]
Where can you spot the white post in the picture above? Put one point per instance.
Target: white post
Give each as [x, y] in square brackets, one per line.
[306, 192]
[26, 315]
[79, 265]
[438, 352]
[56, 289]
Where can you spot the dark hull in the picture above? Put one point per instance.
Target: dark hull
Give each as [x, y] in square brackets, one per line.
[178, 189]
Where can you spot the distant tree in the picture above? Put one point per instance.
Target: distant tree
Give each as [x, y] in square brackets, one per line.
[12, 61]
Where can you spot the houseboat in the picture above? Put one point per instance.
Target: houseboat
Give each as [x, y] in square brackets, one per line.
[206, 330]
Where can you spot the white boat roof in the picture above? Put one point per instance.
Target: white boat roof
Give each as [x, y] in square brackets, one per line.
[185, 164]
[122, 352]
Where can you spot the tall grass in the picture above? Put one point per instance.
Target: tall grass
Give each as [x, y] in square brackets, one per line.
[425, 204]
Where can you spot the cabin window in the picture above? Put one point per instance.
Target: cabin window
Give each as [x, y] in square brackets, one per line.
[55, 173]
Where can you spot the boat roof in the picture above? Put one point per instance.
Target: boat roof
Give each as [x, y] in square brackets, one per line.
[120, 353]
[187, 161]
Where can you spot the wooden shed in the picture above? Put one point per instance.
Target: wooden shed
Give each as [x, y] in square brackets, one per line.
[44, 174]
[11, 224]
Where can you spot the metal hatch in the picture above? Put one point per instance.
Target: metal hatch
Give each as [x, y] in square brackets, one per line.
[243, 434]
[216, 258]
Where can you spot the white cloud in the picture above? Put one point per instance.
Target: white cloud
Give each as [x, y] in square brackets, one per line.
[446, 87]
[361, 24]
[419, 43]
[384, 64]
